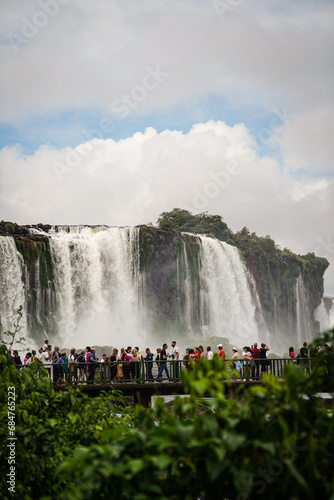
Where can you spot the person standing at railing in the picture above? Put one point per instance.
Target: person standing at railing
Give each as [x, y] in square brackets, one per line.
[247, 355]
[55, 354]
[113, 365]
[221, 352]
[264, 362]
[45, 357]
[149, 364]
[303, 355]
[81, 367]
[201, 351]
[255, 362]
[137, 349]
[126, 365]
[27, 358]
[292, 355]
[17, 360]
[135, 364]
[175, 365]
[236, 363]
[163, 362]
[46, 345]
[92, 360]
[209, 353]
[158, 357]
[72, 366]
[60, 365]
[119, 366]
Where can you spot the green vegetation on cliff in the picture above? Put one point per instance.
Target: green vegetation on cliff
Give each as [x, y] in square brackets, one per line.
[182, 220]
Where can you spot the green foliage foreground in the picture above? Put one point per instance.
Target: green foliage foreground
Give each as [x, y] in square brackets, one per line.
[272, 441]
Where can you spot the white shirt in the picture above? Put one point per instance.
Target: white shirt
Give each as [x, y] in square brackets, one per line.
[45, 357]
[175, 352]
[209, 355]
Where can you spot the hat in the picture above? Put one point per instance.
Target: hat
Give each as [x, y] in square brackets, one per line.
[220, 345]
[187, 348]
[234, 349]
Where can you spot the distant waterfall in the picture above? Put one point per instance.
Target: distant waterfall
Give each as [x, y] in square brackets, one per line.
[228, 307]
[12, 293]
[97, 282]
[302, 322]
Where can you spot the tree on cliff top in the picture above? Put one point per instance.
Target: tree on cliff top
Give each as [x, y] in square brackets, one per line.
[203, 223]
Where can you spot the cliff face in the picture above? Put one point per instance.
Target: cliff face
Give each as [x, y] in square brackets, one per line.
[179, 289]
[289, 286]
[168, 259]
[37, 277]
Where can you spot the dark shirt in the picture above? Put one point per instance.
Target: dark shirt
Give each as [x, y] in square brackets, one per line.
[263, 352]
[163, 355]
[91, 357]
[17, 360]
[304, 352]
[149, 357]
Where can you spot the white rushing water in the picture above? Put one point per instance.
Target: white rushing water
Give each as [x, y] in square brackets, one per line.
[228, 304]
[325, 317]
[12, 293]
[97, 283]
[302, 315]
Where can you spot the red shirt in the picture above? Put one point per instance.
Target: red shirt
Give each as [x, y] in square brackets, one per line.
[255, 354]
[222, 354]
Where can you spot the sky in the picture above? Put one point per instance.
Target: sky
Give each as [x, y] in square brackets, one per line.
[115, 111]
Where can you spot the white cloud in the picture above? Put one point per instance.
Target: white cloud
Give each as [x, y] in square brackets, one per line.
[307, 141]
[87, 57]
[212, 168]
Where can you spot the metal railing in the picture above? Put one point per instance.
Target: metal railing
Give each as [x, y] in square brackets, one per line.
[157, 371]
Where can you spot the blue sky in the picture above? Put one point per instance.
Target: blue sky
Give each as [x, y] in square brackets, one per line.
[162, 94]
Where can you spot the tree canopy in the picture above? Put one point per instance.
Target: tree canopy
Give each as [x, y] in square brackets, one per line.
[203, 223]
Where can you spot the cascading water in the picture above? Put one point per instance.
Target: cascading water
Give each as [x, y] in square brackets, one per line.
[227, 304]
[302, 322]
[12, 293]
[97, 283]
[115, 286]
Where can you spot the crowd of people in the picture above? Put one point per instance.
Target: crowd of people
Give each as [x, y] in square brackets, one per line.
[130, 364]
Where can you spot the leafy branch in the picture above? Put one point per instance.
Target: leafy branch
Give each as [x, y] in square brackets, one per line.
[13, 334]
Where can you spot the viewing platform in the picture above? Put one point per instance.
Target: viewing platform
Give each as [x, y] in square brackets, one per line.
[142, 384]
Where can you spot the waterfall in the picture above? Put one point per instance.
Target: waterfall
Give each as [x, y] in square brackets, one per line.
[97, 282]
[227, 304]
[189, 317]
[12, 293]
[303, 325]
[324, 314]
[109, 286]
